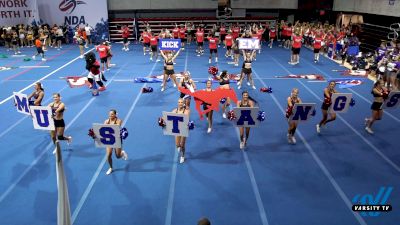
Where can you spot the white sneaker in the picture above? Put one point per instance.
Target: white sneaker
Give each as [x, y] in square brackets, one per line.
[163, 89]
[81, 56]
[209, 61]
[239, 87]
[248, 83]
[238, 83]
[241, 145]
[289, 139]
[254, 87]
[181, 159]
[209, 130]
[109, 171]
[198, 54]
[33, 57]
[69, 141]
[224, 115]
[151, 59]
[158, 60]
[43, 59]
[127, 49]
[174, 85]
[318, 129]
[19, 52]
[124, 155]
[178, 149]
[216, 59]
[293, 140]
[368, 129]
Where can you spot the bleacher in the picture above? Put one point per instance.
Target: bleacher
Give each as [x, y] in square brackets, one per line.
[157, 24]
[371, 36]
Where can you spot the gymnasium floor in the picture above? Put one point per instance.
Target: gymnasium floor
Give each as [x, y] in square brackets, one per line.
[271, 182]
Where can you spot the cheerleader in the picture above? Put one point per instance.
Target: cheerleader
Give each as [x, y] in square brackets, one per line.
[380, 93]
[245, 102]
[187, 83]
[205, 107]
[224, 84]
[213, 42]
[248, 58]
[37, 95]
[291, 101]
[169, 67]
[119, 153]
[58, 109]
[180, 141]
[328, 91]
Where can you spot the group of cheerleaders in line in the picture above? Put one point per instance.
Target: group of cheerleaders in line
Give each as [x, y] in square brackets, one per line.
[379, 93]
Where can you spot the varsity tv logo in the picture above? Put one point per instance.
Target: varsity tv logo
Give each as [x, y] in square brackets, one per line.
[369, 205]
[69, 6]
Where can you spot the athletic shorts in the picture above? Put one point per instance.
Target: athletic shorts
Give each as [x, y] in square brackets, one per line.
[59, 123]
[296, 51]
[213, 50]
[376, 106]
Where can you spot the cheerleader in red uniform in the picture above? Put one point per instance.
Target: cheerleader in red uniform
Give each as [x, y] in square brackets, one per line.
[291, 101]
[93, 66]
[328, 91]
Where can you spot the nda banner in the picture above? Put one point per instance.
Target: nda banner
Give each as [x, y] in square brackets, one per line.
[13, 12]
[75, 13]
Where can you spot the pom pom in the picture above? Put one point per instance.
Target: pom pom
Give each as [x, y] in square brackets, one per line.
[314, 112]
[327, 101]
[261, 116]
[352, 102]
[231, 115]
[147, 90]
[223, 100]
[91, 133]
[191, 125]
[289, 111]
[213, 70]
[266, 89]
[385, 94]
[124, 133]
[161, 122]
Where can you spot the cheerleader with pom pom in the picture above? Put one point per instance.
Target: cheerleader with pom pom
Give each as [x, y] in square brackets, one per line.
[291, 101]
[119, 153]
[224, 84]
[245, 102]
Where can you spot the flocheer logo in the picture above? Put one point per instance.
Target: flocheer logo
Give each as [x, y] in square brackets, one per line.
[69, 6]
[369, 205]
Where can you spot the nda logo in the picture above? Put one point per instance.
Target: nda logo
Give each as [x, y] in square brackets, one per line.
[69, 6]
[370, 205]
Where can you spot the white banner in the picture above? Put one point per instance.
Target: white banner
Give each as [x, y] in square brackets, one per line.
[107, 135]
[393, 100]
[302, 112]
[42, 118]
[22, 103]
[77, 13]
[13, 12]
[176, 124]
[340, 102]
[246, 116]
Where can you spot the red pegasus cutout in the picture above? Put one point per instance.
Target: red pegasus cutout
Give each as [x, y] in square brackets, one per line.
[212, 98]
